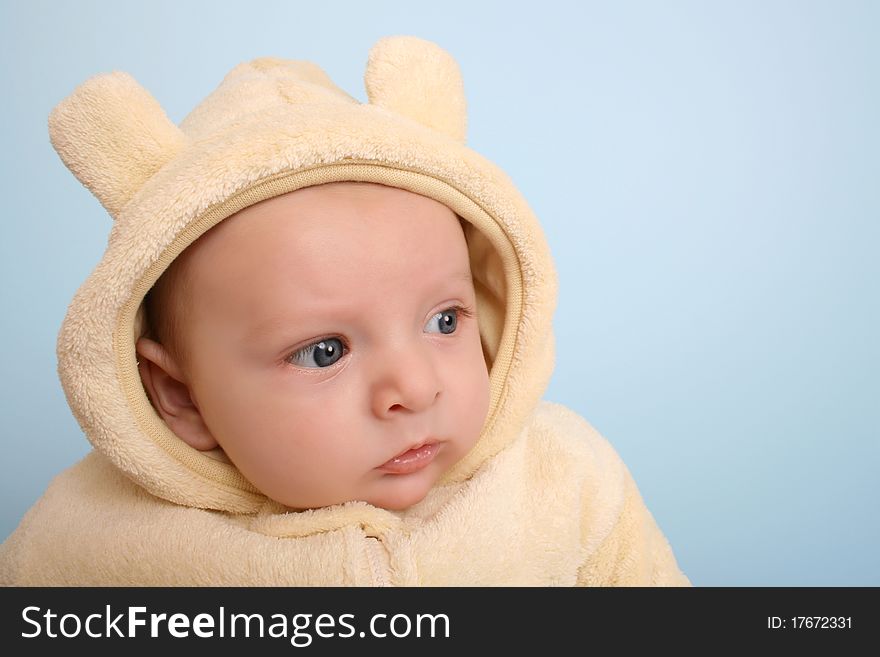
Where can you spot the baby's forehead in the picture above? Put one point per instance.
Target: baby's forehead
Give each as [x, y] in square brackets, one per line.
[367, 212]
[334, 230]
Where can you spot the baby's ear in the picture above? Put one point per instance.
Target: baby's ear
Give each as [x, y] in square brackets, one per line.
[418, 79]
[171, 396]
[113, 135]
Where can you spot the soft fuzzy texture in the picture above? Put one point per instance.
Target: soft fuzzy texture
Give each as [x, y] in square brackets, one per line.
[542, 499]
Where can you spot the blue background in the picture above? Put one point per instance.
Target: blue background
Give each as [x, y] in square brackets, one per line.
[707, 175]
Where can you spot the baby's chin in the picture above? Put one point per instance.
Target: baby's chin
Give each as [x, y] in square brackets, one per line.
[391, 492]
[400, 492]
[398, 503]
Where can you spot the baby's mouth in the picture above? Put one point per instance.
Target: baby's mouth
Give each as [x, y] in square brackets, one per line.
[413, 459]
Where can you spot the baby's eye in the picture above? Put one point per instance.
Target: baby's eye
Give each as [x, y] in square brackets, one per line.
[320, 354]
[445, 321]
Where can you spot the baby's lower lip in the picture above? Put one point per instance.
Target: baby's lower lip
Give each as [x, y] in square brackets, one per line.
[411, 461]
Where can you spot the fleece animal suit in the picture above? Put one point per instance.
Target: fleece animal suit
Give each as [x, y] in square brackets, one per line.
[542, 498]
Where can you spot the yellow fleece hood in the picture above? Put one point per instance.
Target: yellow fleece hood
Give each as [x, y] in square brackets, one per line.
[273, 126]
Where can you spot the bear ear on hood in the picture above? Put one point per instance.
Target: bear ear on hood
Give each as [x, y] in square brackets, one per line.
[114, 136]
[418, 79]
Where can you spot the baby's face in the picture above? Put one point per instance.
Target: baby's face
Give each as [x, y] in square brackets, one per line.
[328, 352]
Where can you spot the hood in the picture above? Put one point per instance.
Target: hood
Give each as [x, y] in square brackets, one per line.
[273, 126]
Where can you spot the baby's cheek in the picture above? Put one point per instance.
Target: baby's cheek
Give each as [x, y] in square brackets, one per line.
[471, 398]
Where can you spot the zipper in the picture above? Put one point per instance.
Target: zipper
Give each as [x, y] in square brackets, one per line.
[379, 561]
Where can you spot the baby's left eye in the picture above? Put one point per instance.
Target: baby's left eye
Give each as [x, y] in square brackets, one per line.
[445, 321]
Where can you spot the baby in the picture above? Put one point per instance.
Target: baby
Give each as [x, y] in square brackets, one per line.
[314, 352]
[326, 340]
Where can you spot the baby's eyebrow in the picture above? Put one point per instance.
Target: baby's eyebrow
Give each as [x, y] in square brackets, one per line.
[274, 323]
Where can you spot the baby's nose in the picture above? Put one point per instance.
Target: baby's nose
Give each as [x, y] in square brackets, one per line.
[405, 382]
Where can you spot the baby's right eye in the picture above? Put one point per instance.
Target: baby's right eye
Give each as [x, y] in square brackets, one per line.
[319, 354]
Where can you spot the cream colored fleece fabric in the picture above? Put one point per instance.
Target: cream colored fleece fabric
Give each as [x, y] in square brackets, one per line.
[542, 499]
